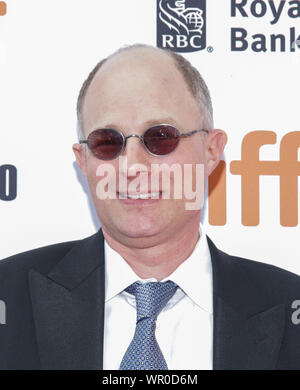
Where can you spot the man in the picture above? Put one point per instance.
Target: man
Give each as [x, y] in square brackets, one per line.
[149, 289]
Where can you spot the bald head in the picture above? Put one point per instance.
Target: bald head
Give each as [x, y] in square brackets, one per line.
[141, 67]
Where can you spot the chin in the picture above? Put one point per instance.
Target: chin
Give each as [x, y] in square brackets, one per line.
[140, 230]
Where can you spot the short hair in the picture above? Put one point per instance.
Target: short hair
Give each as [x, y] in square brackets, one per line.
[191, 75]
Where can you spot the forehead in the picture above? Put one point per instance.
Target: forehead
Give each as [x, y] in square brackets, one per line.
[136, 86]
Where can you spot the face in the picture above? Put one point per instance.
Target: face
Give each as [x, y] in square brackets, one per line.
[132, 92]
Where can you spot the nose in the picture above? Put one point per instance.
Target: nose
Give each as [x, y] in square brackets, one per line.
[135, 161]
[135, 152]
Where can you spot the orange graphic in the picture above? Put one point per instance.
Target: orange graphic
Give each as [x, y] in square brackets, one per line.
[250, 168]
[217, 195]
[3, 8]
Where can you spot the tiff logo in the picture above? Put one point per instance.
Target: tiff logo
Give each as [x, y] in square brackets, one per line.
[3, 8]
[181, 25]
[250, 168]
[287, 168]
[8, 182]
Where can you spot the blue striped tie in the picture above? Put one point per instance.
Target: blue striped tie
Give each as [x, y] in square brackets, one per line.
[143, 352]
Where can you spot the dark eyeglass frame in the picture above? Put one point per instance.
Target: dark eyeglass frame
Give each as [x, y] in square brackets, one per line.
[141, 137]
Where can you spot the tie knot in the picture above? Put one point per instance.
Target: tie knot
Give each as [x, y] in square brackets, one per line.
[151, 297]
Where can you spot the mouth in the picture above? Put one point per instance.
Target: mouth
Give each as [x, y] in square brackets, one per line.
[146, 195]
[139, 198]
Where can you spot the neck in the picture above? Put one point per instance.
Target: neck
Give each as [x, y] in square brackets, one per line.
[159, 260]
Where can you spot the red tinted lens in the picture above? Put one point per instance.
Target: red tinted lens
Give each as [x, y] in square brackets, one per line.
[161, 139]
[105, 144]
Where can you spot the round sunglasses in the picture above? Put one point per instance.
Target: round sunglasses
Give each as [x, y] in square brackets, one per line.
[158, 140]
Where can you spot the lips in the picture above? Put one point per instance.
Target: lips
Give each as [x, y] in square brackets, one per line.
[140, 196]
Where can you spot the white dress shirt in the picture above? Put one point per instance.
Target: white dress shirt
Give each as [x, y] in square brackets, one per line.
[184, 327]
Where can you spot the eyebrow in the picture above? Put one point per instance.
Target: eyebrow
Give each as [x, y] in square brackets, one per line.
[147, 124]
[167, 120]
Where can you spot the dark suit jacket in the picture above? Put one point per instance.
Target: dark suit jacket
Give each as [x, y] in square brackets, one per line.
[55, 310]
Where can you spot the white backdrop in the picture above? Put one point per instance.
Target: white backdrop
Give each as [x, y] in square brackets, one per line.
[47, 48]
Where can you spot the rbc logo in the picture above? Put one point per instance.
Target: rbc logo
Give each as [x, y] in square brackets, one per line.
[181, 25]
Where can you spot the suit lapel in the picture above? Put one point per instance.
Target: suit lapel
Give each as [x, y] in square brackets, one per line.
[68, 308]
[248, 329]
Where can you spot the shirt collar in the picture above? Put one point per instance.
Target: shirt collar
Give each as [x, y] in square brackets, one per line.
[193, 276]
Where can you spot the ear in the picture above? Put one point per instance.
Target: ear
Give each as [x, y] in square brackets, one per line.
[80, 155]
[215, 143]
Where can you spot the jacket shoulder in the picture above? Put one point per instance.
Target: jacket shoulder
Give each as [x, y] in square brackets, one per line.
[269, 273]
[276, 282]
